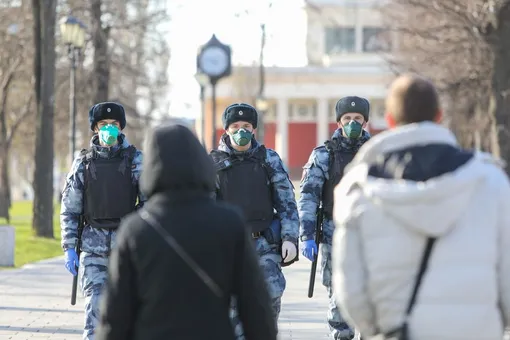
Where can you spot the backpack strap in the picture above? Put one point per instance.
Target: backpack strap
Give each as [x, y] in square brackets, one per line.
[421, 272]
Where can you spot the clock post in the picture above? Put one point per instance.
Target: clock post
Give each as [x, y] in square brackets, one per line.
[214, 59]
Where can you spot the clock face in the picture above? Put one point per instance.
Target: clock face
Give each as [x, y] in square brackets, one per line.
[213, 61]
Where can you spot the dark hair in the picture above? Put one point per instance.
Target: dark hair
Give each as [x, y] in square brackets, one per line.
[412, 99]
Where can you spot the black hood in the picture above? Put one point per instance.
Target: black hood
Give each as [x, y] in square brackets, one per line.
[174, 160]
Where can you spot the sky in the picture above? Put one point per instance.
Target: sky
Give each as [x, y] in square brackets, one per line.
[194, 21]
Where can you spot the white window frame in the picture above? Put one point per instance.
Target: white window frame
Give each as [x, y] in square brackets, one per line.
[341, 51]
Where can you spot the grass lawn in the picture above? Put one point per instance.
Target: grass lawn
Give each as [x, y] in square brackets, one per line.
[28, 247]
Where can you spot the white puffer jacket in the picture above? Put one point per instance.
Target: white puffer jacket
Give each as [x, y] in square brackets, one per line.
[381, 229]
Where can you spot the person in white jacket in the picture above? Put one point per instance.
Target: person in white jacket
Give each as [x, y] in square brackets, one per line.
[408, 184]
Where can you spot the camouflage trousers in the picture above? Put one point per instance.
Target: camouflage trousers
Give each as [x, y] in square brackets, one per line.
[340, 330]
[93, 276]
[269, 260]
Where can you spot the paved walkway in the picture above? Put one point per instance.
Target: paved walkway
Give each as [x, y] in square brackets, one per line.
[34, 304]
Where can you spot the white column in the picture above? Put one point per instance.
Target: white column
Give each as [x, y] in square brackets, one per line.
[359, 31]
[322, 120]
[282, 129]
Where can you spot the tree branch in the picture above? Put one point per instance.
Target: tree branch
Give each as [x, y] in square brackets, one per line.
[25, 112]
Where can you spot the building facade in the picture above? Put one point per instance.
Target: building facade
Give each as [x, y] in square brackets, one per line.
[345, 49]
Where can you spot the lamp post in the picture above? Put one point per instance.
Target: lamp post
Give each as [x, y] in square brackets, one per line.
[215, 60]
[73, 35]
[202, 80]
[262, 105]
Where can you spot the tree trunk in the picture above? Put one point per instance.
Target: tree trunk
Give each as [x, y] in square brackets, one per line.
[36, 13]
[499, 41]
[43, 176]
[101, 60]
[4, 164]
[5, 191]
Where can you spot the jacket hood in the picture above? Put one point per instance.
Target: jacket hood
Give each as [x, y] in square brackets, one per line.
[430, 206]
[174, 160]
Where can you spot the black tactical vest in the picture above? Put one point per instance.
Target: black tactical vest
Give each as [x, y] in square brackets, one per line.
[245, 182]
[109, 191]
[338, 160]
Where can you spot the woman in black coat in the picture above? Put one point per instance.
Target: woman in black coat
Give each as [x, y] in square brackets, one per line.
[156, 289]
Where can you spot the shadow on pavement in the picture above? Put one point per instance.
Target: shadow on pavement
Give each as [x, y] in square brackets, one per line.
[45, 310]
[40, 330]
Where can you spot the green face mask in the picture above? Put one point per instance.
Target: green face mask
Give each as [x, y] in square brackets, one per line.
[353, 130]
[242, 137]
[108, 134]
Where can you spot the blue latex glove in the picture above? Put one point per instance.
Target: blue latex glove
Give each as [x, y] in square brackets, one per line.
[72, 261]
[309, 249]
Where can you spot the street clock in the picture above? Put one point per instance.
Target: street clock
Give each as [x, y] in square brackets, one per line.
[214, 60]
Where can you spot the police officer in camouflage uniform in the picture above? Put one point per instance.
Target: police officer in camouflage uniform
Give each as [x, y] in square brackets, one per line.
[321, 174]
[254, 178]
[100, 189]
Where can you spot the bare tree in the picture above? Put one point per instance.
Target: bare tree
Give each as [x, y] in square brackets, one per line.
[446, 46]
[496, 32]
[137, 54]
[14, 85]
[453, 42]
[100, 35]
[139, 65]
[11, 58]
[42, 221]
[130, 57]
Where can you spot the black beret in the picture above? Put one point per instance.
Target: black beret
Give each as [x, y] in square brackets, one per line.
[240, 111]
[107, 110]
[352, 104]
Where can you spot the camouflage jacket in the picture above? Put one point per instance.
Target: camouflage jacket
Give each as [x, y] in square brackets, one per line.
[283, 190]
[315, 174]
[93, 240]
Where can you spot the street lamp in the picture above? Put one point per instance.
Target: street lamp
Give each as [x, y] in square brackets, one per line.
[262, 105]
[203, 80]
[73, 35]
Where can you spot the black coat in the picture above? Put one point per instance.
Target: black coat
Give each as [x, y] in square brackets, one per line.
[151, 292]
